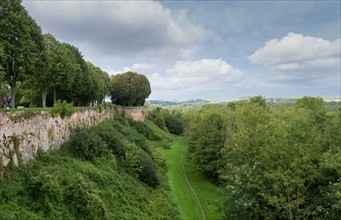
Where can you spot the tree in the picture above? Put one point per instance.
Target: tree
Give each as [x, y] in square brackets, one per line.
[59, 72]
[206, 135]
[20, 37]
[100, 83]
[278, 167]
[79, 92]
[130, 89]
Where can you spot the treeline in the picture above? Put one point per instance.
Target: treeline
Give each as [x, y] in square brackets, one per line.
[274, 163]
[39, 69]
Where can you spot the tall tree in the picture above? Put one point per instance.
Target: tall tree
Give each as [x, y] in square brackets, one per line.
[130, 89]
[80, 92]
[100, 83]
[19, 36]
[60, 71]
[206, 138]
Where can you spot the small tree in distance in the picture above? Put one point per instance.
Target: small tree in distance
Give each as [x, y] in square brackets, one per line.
[130, 89]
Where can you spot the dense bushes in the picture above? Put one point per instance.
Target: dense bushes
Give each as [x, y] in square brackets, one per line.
[102, 173]
[87, 144]
[91, 143]
[165, 119]
[142, 128]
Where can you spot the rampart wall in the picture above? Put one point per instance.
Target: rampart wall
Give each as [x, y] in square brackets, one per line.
[22, 133]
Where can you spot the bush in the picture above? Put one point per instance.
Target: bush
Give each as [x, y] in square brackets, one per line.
[148, 173]
[157, 118]
[141, 165]
[62, 109]
[142, 128]
[112, 138]
[87, 144]
[84, 202]
[174, 124]
[141, 142]
[163, 118]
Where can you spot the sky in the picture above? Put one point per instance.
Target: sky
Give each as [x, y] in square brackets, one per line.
[206, 49]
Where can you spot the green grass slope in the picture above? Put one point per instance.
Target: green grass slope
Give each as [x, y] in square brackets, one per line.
[110, 171]
[196, 198]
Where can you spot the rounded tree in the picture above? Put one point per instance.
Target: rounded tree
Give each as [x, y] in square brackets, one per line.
[130, 89]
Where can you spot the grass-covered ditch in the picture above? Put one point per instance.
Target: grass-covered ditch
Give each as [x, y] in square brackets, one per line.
[195, 196]
[110, 171]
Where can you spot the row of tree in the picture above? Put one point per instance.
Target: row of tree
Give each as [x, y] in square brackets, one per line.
[39, 69]
[274, 163]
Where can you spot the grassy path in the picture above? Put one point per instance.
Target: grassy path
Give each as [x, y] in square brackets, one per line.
[194, 196]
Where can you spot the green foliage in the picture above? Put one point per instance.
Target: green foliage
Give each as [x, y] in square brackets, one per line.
[84, 202]
[156, 116]
[172, 120]
[174, 123]
[87, 144]
[206, 134]
[112, 138]
[142, 128]
[21, 49]
[59, 185]
[141, 165]
[129, 89]
[275, 163]
[258, 100]
[63, 109]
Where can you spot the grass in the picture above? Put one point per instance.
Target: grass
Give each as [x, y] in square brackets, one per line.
[185, 199]
[209, 194]
[60, 185]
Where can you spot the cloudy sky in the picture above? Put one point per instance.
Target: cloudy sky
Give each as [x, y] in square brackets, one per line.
[206, 49]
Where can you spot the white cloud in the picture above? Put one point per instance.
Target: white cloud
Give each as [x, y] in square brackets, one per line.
[137, 67]
[120, 28]
[298, 57]
[196, 76]
[141, 66]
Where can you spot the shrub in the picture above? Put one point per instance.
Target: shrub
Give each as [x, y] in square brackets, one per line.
[87, 144]
[142, 128]
[140, 141]
[174, 123]
[63, 109]
[157, 118]
[84, 202]
[148, 173]
[141, 165]
[112, 138]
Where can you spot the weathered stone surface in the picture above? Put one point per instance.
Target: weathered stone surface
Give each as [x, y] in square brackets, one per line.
[23, 137]
[137, 114]
[20, 137]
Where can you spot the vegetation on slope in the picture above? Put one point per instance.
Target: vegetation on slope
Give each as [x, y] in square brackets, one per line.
[105, 172]
[274, 163]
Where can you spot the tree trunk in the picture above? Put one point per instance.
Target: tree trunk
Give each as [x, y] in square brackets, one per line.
[43, 95]
[14, 93]
[54, 95]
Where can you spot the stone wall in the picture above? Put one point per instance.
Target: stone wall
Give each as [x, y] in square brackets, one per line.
[21, 135]
[136, 113]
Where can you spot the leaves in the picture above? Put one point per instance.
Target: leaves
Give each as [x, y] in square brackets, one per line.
[129, 89]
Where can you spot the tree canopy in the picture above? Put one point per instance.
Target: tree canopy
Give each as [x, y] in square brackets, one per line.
[21, 41]
[39, 69]
[130, 89]
[274, 163]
